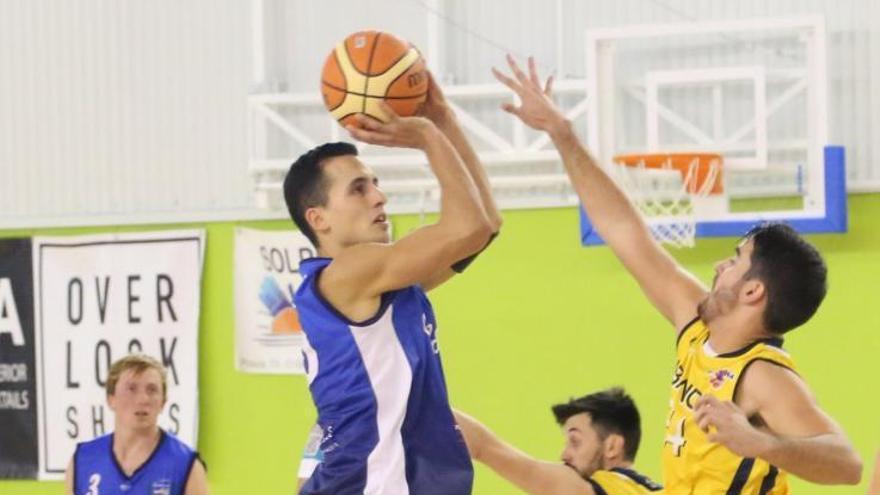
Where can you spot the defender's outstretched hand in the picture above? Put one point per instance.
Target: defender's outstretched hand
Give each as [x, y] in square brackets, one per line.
[536, 108]
[400, 132]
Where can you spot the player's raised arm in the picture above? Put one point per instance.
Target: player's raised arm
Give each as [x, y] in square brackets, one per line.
[437, 110]
[529, 474]
[370, 269]
[670, 288]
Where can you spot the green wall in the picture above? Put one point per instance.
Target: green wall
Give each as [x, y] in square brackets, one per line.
[536, 320]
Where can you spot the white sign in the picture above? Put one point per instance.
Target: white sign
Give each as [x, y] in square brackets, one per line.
[98, 298]
[268, 335]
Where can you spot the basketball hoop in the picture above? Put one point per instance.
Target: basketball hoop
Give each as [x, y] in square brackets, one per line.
[672, 190]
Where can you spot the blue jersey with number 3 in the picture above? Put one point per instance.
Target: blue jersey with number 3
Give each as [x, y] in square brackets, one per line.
[381, 397]
[96, 471]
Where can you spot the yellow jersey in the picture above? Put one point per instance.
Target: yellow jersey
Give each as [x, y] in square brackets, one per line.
[691, 463]
[620, 481]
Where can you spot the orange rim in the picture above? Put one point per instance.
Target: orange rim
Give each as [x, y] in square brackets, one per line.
[682, 162]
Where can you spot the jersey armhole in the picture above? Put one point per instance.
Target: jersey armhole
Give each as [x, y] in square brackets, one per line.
[73, 468]
[596, 487]
[192, 461]
[384, 302]
[685, 329]
[745, 368]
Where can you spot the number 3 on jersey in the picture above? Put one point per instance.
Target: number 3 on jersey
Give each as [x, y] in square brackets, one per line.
[94, 481]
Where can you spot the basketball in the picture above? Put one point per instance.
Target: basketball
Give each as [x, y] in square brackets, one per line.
[369, 66]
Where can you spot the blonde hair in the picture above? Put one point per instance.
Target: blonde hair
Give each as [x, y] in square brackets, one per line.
[137, 363]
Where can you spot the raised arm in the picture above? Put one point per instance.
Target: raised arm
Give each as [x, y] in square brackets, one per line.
[529, 474]
[437, 109]
[798, 437]
[672, 290]
[365, 271]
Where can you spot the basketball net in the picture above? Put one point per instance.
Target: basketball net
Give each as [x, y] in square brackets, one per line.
[670, 190]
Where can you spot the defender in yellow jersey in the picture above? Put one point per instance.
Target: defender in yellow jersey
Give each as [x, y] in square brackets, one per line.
[774, 283]
[602, 433]
[701, 371]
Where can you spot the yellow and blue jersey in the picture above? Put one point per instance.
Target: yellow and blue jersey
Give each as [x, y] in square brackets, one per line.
[620, 481]
[691, 463]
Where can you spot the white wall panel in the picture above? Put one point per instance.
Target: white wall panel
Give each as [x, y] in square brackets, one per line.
[136, 109]
[122, 109]
[529, 27]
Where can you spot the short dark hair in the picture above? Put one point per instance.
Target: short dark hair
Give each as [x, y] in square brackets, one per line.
[793, 273]
[305, 185]
[611, 411]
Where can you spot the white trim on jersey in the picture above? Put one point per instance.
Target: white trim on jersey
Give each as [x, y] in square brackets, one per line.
[391, 378]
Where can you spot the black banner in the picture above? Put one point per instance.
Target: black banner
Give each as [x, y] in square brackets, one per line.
[18, 398]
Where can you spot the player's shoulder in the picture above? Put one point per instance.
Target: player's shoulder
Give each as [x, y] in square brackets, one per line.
[97, 442]
[690, 331]
[176, 445]
[353, 263]
[764, 380]
[622, 481]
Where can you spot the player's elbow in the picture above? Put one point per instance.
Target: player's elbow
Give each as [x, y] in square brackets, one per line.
[495, 222]
[852, 472]
[473, 234]
[847, 470]
[479, 234]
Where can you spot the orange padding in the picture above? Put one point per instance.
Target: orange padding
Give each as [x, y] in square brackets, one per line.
[682, 163]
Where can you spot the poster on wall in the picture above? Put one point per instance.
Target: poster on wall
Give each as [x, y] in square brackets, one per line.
[96, 299]
[268, 336]
[18, 398]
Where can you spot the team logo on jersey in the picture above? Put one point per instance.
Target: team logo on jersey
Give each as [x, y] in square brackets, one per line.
[431, 331]
[718, 377]
[161, 487]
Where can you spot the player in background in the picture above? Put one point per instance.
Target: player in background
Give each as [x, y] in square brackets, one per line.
[138, 457]
[602, 434]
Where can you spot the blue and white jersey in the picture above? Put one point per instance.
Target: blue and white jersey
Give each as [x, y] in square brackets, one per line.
[381, 397]
[96, 471]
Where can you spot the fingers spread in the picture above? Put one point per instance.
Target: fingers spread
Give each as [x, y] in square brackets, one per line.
[548, 87]
[510, 83]
[533, 73]
[520, 75]
[510, 108]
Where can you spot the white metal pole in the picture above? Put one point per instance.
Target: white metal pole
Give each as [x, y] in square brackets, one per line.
[434, 25]
[560, 39]
[258, 47]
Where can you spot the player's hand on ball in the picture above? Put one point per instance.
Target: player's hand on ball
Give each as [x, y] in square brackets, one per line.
[435, 108]
[401, 132]
[725, 423]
